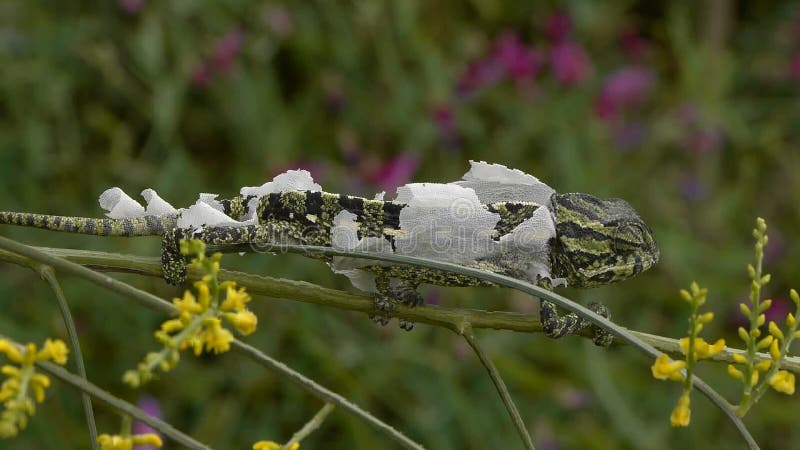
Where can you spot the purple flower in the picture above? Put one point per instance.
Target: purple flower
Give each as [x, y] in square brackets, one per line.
[794, 67]
[149, 405]
[628, 136]
[518, 61]
[705, 140]
[625, 88]
[558, 26]
[394, 172]
[131, 6]
[226, 50]
[778, 311]
[693, 189]
[481, 73]
[445, 121]
[570, 63]
[633, 44]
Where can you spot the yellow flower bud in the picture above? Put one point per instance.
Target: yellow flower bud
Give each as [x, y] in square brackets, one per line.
[739, 358]
[682, 414]
[11, 351]
[775, 331]
[763, 366]
[150, 439]
[766, 342]
[774, 350]
[734, 372]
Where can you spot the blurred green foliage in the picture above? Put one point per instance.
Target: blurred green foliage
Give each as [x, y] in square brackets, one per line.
[688, 110]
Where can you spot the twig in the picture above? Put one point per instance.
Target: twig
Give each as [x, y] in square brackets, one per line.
[311, 425]
[49, 275]
[494, 374]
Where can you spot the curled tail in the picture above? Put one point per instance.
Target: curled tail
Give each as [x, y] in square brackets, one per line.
[135, 226]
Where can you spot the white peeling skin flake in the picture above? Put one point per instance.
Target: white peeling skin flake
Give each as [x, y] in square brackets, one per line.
[211, 200]
[202, 214]
[156, 206]
[444, 222]
[291, 180]
[497, 183]
[344, 236]
[119, 205]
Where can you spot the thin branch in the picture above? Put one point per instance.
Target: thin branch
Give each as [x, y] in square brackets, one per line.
[311, 425]
[153, 302]
[312, 293]
[494, 374]
[49, 275]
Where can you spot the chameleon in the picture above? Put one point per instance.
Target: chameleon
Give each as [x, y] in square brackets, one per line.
[496, 219]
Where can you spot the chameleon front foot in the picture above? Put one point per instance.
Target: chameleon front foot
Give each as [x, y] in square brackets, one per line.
[387, 296]
[555, 326]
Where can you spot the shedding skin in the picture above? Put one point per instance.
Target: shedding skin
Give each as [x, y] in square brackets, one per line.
[598, 242]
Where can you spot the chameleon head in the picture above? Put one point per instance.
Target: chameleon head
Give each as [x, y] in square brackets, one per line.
[599, 241]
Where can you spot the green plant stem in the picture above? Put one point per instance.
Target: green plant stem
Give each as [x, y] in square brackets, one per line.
[153, 302]
[49, 275]
[494, 374]
[311, 293]
[311, 425]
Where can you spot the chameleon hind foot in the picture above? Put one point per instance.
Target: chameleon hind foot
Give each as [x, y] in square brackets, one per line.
[407, 294]
[555, 326]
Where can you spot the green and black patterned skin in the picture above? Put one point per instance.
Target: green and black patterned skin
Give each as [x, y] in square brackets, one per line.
[598, 241]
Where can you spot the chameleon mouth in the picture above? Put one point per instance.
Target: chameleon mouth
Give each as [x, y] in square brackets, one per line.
[619, 272]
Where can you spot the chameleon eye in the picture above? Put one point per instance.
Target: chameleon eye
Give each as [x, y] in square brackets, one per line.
[626, 235]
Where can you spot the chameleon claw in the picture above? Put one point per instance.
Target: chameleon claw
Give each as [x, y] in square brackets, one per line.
[406, 325]
[602, 338]
[380, 320]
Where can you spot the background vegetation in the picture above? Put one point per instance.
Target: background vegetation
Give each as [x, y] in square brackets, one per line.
[689, 110]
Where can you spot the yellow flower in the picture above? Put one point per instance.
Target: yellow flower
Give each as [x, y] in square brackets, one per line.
[272, 445]
[117, 442]
[150, 439]
[234, 299]
[734, 372]
[11, 351]
[682, 414]
[664, 368]
[216, 338]
[702, 349]
[203, 294]
[188, 303]
[55, 350]
[244, 321]
[783, 381]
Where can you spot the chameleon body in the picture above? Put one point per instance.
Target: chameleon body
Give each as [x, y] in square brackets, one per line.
[596, 242]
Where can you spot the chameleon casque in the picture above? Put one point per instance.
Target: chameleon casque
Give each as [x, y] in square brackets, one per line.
[497, 219]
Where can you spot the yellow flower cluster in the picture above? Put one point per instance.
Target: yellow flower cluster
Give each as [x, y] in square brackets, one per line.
[271, 445]
[199, 317]
[117, 442]
[694, 348]
[24, 387]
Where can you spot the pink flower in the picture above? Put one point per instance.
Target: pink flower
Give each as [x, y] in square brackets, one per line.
[445, 121]
[705, 140]
[131, 6]
[226, 50]
[394, 172]
[481, 73]
[558, 26]
[149, 405]
[518, 61]
[625, 88]
[794, 68]
[633, 44]
[570, 63]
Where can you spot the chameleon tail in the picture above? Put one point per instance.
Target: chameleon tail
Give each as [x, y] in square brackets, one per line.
[135, 226]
